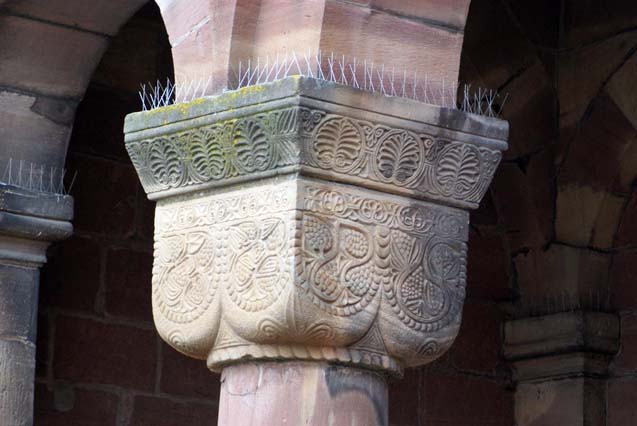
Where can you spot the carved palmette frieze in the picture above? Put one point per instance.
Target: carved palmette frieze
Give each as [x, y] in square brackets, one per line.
[432, 167]
[346, 148]
[226, 149]
[342, 254]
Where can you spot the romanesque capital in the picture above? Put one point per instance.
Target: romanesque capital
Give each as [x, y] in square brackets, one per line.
[30, 220]
[305, 220]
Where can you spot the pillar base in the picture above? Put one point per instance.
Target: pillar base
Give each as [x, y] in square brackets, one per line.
[301, 393]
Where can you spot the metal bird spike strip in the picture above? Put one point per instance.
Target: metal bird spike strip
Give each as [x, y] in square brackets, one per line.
[35, 177]
[359, 74]
[597, 300]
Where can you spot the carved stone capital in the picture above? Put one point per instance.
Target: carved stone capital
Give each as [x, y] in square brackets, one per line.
[29, 222]
[304, 220]
[561, 345]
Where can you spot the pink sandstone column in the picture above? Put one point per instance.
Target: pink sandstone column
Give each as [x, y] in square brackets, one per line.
[301, 393]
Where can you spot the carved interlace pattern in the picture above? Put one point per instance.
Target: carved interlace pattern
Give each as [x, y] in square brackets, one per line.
[344, 147]
[223, 242]
[354, 245]
[341, 249]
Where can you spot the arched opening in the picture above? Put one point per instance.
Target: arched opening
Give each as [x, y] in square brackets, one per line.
[99, 358]
[98, 346]
[563, 199]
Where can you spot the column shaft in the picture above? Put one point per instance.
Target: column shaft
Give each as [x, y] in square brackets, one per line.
[18, 309]
[29, 222]
[301, 393]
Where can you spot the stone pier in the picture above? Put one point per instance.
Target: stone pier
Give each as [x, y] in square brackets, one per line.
[311, 240]
[29, 222]
[560, 363]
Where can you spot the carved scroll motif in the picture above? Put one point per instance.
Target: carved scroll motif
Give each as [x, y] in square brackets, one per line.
[348, 249]
[419, 257]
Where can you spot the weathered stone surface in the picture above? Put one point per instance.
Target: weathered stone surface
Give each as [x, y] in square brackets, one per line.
[18, 303]
[320, 138]
[375, 36]
[210, 37]
[266, 248]
[576, 401]
[445, 13]
[52, 60]
[586, 216]
[17, 372]
[566, 332]
[562, 278]
[576, 88]
[560, 366]
[598, 146]
[607, 222]
[28, 134]
[323, 394]
[317, 263]
[55, 207]
[559, 362]
[100, 16]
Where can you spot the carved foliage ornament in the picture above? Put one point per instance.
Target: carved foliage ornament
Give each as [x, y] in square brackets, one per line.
[343, 251]
[328, 251]
[344, 147]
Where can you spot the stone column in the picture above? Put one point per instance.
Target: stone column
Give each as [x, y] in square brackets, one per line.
[310, 240]
[560, 363]
[29, 221]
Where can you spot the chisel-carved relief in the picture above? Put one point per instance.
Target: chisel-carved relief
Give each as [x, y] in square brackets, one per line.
[343, 146]
[305, 228]
[341, 250]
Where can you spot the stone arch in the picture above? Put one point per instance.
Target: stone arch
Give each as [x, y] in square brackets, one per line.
[564, 197]
[49, 52]
[421, 36]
